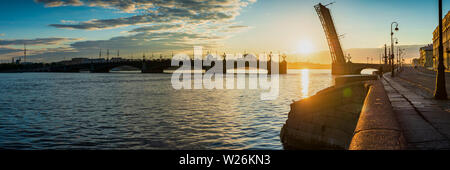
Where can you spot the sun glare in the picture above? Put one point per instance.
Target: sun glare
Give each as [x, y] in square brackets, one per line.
[305, 47]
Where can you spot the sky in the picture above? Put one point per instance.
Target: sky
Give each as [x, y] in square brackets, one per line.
[55, 30]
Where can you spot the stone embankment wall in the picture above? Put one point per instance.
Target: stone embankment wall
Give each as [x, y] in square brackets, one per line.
[354, 114]
[326, 120]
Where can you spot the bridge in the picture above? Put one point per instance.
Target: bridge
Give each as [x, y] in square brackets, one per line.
[151, 66]
[339, 64]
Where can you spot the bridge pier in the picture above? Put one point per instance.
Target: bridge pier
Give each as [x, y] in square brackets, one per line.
[282, 67]
[155, 67]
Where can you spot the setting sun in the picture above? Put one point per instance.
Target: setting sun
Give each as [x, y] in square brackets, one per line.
[305, 47]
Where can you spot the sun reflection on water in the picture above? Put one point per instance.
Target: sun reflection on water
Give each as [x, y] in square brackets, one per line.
[305, 83]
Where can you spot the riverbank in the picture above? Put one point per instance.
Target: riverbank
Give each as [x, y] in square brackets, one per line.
[328, 119]
[389, 117]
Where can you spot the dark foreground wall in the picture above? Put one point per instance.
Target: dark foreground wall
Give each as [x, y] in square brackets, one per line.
[326, 120]
[355, 114]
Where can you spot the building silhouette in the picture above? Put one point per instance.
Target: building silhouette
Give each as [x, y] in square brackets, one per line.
[446, 42]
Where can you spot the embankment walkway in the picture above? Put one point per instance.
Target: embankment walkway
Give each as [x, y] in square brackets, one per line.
[425, 123]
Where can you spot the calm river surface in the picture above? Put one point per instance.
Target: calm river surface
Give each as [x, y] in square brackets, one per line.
[142, 111]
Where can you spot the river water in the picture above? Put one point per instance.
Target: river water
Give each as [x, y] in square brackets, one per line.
[142, 111]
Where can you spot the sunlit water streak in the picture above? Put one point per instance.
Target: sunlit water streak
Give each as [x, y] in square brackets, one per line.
[305, 83]
[142, 111]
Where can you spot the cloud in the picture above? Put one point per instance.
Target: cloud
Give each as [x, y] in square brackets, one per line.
[2, 34]
[53, 3]
[164, 26]
[160, 27]
[37, 41]
[156, 12]
[107, 23]
[236, 28]
[157, 42]
[68, 22]
[7, 50]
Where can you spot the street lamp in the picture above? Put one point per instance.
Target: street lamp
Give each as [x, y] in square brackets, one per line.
[392, 46]
[440, 92]
[402, 54]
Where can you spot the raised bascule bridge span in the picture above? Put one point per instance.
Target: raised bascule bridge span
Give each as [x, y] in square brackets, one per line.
[339, 64]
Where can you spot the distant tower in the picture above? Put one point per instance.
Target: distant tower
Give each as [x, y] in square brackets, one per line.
[24, 52]
[100, 53]
[107, 54]
[284, 57]
[389, 55]
[270, 56]
[385, 55]
[224, 56]
[118, 53]
[143, 57]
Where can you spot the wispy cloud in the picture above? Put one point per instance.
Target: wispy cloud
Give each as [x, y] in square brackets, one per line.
[68, 22]
[163, 25]
[57, 3]
[156, 12]
[37, 41]
[160, 27]
[7, 50]
[13, 47]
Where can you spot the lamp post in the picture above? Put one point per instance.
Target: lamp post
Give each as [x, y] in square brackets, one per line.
[440, 92]
[392, 47]
[398, 52]
[399, 58]
[402, 57]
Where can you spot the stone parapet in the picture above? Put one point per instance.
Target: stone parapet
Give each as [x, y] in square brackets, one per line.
[377, 127]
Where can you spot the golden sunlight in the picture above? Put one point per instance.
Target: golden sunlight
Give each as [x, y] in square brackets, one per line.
[305, 83]
[305, 47]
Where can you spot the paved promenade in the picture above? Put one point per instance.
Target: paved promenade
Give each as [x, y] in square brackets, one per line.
[425, 122]
[422, 80]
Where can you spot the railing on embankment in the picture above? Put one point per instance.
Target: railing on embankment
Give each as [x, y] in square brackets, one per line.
[353, 114]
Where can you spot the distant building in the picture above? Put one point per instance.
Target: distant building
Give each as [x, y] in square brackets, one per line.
[426, 56]
[446, 43]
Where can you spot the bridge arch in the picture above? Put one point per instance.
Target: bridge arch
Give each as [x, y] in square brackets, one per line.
[370, 71]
